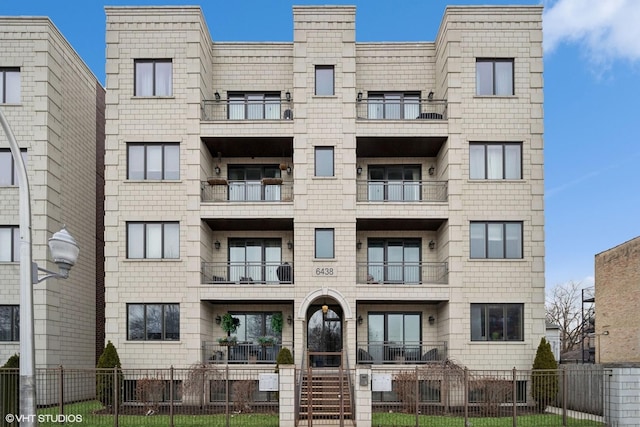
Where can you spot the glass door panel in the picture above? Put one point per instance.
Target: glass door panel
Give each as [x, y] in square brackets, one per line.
[394, 186]
[376, 184]
[375, 261]
[392, 106]
[412, 263]
[272, 257]
[376, 337]
[395, 261]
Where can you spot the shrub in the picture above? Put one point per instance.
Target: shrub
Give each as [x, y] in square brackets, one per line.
[544, 380]
[284, 357]
[404, 384]
[10, 389]
[105, 382]
[243, 391]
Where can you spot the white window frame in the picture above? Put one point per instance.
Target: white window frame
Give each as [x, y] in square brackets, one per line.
[321, 168]
[9, 243]
[322, 252]
[325, 80]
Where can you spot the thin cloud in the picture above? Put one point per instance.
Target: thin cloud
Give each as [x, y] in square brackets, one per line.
[607, 29]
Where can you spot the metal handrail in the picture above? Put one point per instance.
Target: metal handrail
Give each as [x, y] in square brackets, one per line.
[403, 273]
[375, 191]
[408, 109]
[406, 352]
[245, 191]
[231, 272]
[246, 109]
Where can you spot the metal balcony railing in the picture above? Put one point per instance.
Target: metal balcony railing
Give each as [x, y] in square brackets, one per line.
[243, 109]
[245, 352]
[403, 273]
[402, 191]
[407, 352]
[384, 109]
[222, 190]
[265, 273]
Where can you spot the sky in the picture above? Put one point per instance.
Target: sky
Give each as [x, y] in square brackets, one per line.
[592, 87]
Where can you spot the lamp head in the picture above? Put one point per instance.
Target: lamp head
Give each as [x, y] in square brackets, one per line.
[64, 250]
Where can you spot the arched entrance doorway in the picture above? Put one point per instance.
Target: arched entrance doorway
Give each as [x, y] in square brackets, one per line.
[324, 334]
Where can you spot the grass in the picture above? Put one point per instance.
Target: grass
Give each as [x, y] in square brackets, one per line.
[379, 419]
[90, 418]
[384, 419]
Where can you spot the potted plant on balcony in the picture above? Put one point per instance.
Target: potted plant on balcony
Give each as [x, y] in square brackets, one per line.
[267, 340]
[276, 322]
[229, 324]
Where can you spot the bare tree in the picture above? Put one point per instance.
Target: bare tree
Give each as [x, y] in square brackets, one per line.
[564, 307]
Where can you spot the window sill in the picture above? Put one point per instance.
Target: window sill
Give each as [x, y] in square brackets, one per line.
[153, 97]
[325, 177]
[11, 104]
[152, 342]
[495, 96]
[498, 342]
[153, 181]
[492, 181]
[152, 260]
[497, 259]
[325, 96]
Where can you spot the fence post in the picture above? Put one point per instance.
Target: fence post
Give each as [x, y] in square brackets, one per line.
[466, 396]
[417, 394]
[116, 397]
[514, 391]
[61, 390]
[564, 396]
[171, 396]
[228, 415]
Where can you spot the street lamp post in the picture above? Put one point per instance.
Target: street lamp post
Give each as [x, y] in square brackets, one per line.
[64, 251]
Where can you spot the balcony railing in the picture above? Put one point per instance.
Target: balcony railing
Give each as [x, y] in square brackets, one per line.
[381, 109]
[402, 191]
[418, 352]
[241, 352]
[221, 190]
[265, 273]
[243, 109]
[403, 273]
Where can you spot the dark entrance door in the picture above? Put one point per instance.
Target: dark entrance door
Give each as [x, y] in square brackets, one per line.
[324, 334]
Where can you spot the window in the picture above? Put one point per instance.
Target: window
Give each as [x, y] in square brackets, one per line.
[497, 322]
[496, 391]
[9, 243]
[494, 77]
[495, 161]
[154, 240]
[394, 183]
[153, 77]
[254, 260]
[324, 161]
[154, 161]
[496, 240]
[324, 243]
[151, 389]
[9, 85]
[324, 80]
[253, 326]
[8, 172]
[254, 106]
[153, 322]
[393, 261]
[245, 182]
[394, 335]
[9, 323]
[395, 105]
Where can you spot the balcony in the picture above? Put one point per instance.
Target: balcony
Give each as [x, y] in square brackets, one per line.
[246, 273]
[406, 109]
[241, 352]
[241, 109]
[384, 352]
[403, 273]
[267, 190]
[402, 191]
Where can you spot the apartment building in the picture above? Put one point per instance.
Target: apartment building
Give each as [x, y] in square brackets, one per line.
[55, 107]
[617, 289]
[380, 203]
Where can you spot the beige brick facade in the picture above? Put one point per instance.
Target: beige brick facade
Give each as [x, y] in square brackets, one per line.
[439, 200]
[59, 120]
[617, 334]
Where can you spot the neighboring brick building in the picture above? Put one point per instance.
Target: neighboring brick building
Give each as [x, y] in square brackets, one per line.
[55, 107]
[384, 199]
[617, 292]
